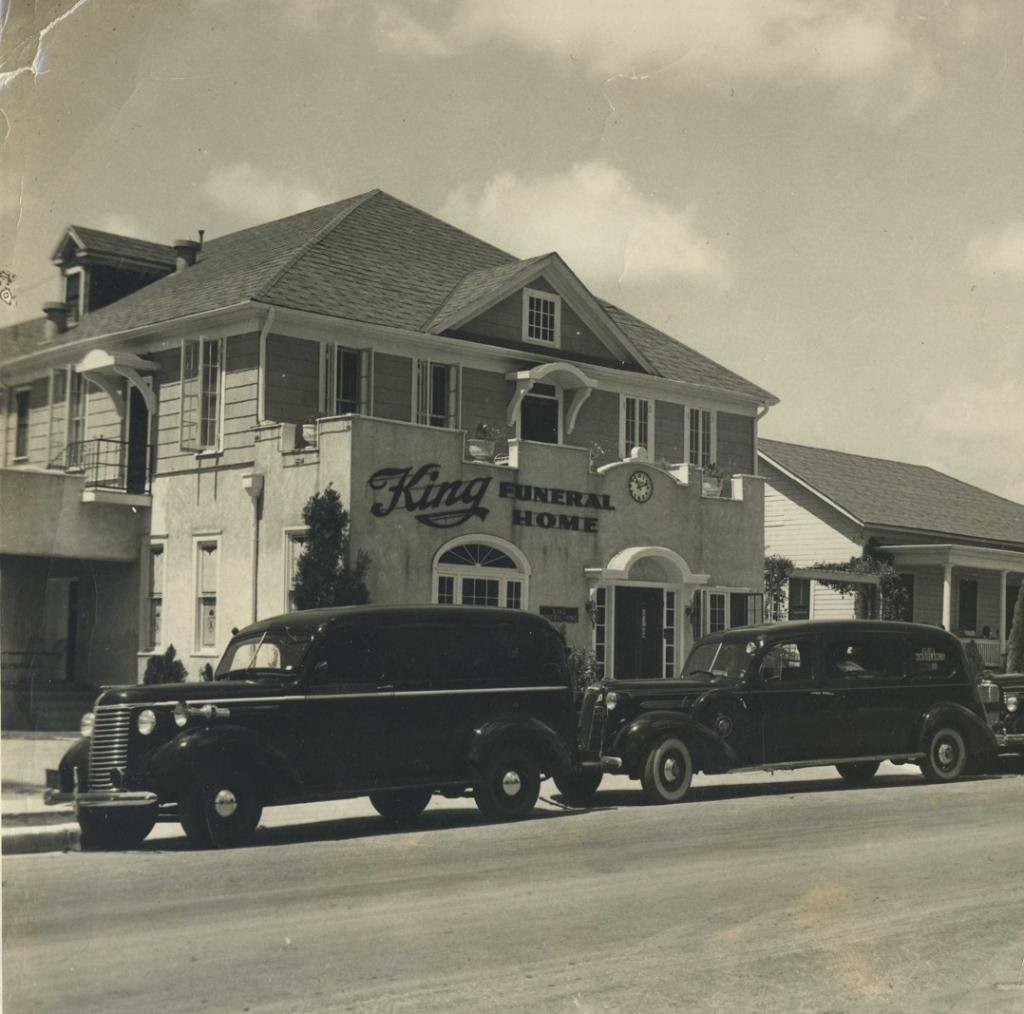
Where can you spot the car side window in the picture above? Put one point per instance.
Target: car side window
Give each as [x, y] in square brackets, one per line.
[787, 664]
[853, 660]
[345, 656]
[932, 660]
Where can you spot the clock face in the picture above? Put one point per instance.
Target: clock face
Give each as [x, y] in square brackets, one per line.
[640, 487]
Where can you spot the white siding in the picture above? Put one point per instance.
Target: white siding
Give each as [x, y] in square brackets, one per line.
[792, 531]
[828, 604]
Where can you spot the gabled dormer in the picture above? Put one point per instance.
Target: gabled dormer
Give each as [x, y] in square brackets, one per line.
[540, 306]
[98, 268]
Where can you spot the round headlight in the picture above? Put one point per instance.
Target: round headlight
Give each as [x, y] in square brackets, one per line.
[181, 714]
[611, 700]
[87, 722]
[146, 722]
[1012, 702]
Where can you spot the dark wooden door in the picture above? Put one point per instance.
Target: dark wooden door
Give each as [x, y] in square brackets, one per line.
[639, 632]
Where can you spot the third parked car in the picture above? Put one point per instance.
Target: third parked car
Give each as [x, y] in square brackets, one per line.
[850, 694]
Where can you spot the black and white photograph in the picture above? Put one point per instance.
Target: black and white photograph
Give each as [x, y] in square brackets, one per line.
[512, 506]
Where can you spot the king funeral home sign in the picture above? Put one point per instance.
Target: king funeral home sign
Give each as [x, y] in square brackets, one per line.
[433, 501]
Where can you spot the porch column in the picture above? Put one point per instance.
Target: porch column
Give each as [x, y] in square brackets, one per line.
[947, 597]
[1002, 612]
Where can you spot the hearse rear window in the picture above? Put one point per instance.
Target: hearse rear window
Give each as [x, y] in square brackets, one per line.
[932, 660]
[862, 658]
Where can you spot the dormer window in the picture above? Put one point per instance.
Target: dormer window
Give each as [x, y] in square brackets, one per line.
[542, 317]
[73, 287]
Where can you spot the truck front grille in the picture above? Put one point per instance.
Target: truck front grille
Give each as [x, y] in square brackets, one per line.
[592, 719]
[109, 746]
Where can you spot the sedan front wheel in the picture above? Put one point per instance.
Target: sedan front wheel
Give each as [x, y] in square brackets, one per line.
[668, 771]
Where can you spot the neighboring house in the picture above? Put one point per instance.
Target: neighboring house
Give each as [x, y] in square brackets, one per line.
[959, 549]
[164, 433]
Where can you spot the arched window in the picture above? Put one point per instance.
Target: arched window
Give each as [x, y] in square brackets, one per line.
[480, 573]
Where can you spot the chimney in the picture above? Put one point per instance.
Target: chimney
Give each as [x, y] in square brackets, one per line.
[56, 319]
[186, 249]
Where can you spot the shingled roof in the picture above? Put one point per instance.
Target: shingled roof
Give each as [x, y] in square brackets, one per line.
[882, 493]
[128, 248]
[370, 258]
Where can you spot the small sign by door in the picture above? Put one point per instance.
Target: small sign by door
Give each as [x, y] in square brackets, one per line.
[560, 614]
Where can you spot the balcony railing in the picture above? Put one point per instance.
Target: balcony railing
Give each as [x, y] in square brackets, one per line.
[116, 465]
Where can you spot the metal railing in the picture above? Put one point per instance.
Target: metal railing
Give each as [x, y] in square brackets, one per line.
[108, 464]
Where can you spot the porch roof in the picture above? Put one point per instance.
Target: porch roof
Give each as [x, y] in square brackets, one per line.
[953, 555]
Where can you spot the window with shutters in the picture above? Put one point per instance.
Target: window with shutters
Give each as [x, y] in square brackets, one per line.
[700, 425]
[22, 405]
[346, 381]
[637, 429]
[58, 415]
[206, 596]
[437, 394]
[200, 393]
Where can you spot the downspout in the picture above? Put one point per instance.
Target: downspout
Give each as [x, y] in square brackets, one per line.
[253, 485]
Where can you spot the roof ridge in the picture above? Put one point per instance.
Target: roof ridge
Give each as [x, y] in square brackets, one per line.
[454, 228]
[351, 204]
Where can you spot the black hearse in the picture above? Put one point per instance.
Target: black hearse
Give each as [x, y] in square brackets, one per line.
[792, 695]
[395, 703]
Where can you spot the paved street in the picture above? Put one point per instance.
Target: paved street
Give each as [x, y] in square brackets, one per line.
[790, 893]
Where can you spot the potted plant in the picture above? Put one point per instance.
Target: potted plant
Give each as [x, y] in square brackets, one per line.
[711, 480]
[307, 432]
[488, 442]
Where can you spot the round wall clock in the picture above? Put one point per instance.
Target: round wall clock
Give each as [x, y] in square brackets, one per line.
[641, 487]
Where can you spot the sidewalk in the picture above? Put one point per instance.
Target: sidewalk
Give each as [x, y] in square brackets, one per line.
[26, 825]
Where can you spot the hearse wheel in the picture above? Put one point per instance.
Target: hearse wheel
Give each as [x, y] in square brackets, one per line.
[578, 789]
[857, 772]
[668, 771]
[121, 828]
[509, 784]
[945, 759]
[401, 805]
[221, 808]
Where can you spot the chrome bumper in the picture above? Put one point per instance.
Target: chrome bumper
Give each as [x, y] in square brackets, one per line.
[1011, 740]
[111, 797]
[606, 763]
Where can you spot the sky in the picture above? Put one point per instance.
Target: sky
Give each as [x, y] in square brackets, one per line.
[826, 197]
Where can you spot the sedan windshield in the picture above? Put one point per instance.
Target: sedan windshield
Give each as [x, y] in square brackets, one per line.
[721, 660]
[269, 655]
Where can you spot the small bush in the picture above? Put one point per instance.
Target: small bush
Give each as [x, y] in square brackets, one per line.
[582, 663]
[165, 668]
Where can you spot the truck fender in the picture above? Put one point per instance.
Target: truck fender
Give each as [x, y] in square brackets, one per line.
[175, 763]
[76, 758]
[633, 742]
[555, 756]
[980, 737]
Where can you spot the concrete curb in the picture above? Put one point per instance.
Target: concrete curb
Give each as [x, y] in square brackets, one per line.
[52, 838]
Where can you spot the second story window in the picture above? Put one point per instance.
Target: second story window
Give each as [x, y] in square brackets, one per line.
[542, 313]
[78, 403]
[637, 416]
[200, 393]
[700, 438]
[347, 381]
[22, 405]
[437, 394]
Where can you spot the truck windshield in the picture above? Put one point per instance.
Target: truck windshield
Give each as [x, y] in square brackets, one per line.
[272, 654]
[725, 660]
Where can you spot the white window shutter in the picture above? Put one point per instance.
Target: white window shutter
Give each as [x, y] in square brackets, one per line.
[365, 381]
[454, 398]
[189, 421]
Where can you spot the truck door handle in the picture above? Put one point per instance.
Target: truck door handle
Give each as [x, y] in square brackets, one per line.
[822, 693]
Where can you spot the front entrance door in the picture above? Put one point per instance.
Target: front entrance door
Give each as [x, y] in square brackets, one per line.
[137, 459]
[62, 625]
[639, 632]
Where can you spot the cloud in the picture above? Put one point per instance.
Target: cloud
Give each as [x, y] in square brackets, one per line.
[258, 196]
[867, 51]
[604, 228]
[998, 253]
[399, 33]
[967, 428]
